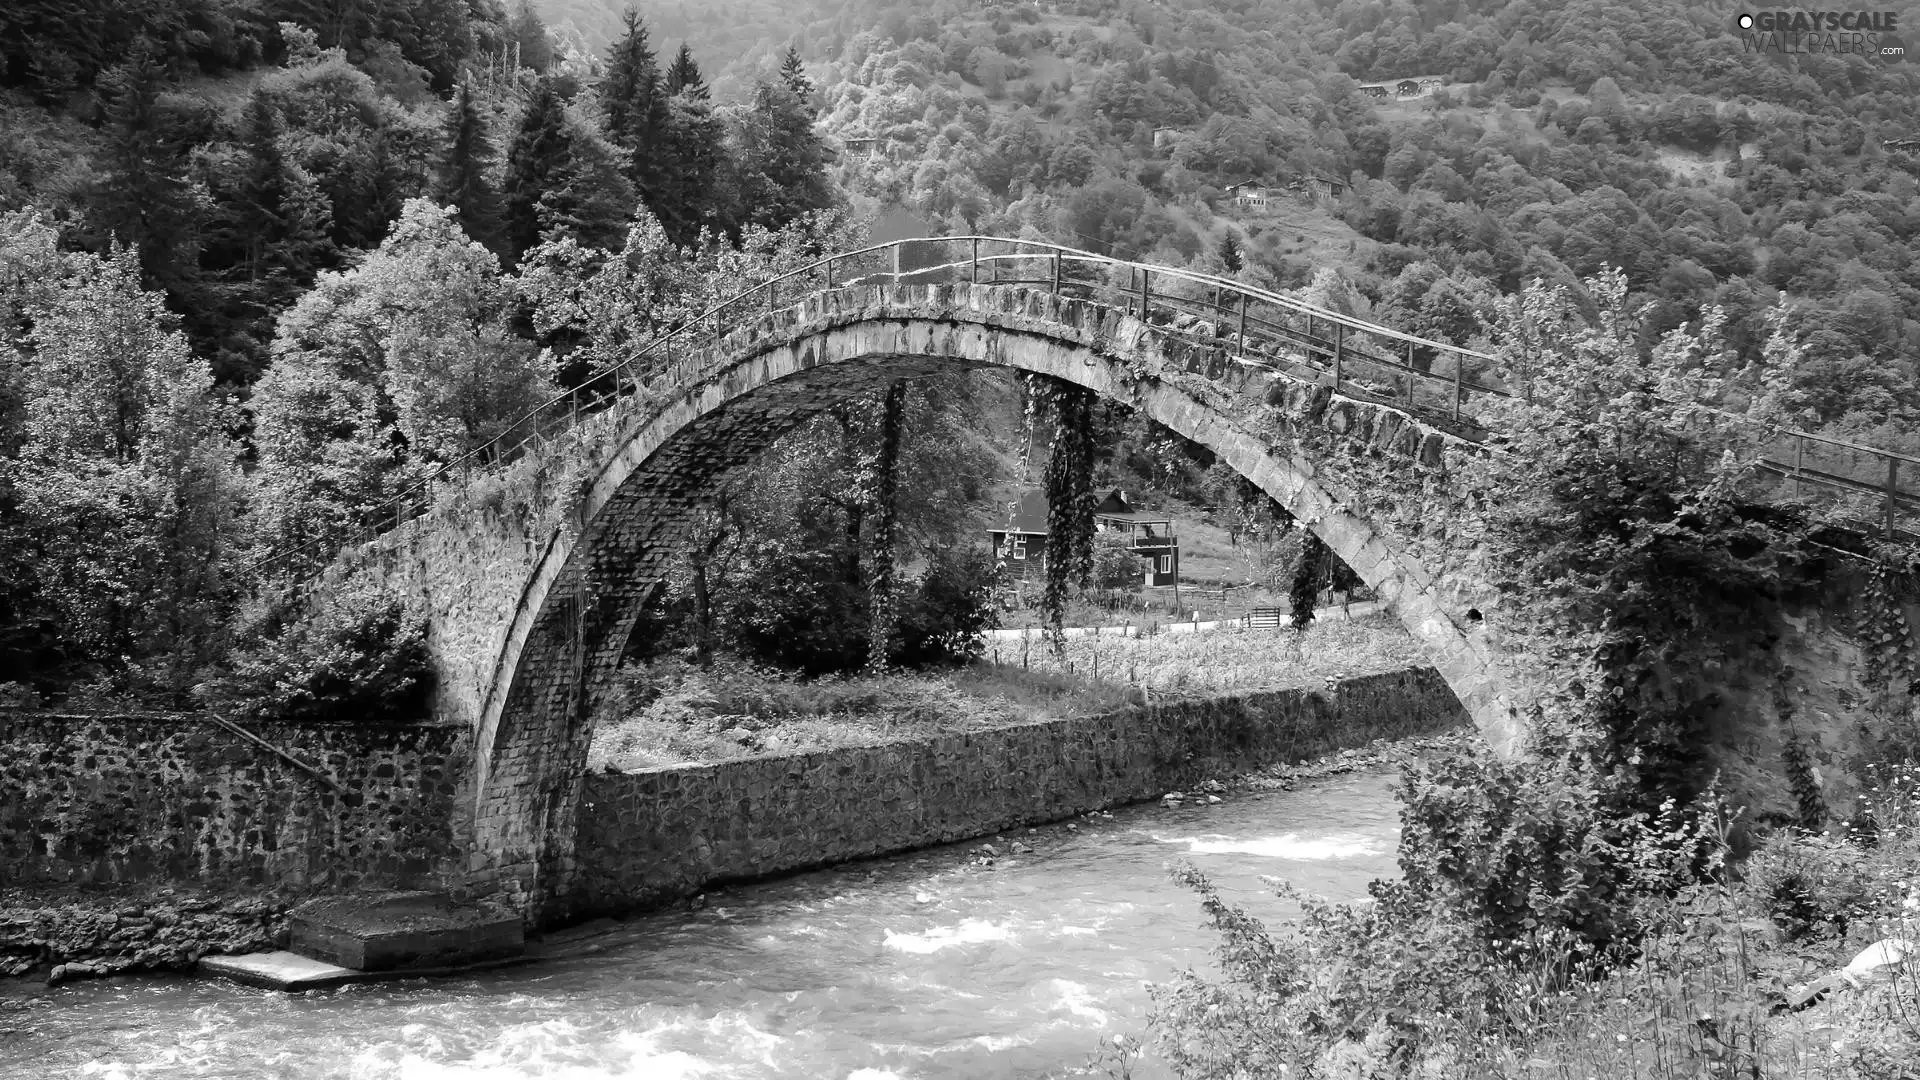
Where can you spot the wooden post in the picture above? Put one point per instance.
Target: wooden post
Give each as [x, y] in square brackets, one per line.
[973, 271]
[1893, 479]
[1243, 324]
[1144, 275]
[830, 259]
[1056, 273]
[1799, 455]
[895, 253]
[1459, 361]
[1339, 343]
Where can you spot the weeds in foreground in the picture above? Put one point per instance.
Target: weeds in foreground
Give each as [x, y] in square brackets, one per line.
[1709, 979]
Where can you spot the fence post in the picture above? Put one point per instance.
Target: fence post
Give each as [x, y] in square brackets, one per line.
[1243, 324]
[1144, 275]
[1459, 361]
[895, 253]
[973, 269]
[1339, 343]
[1893, 479]
[1799, 455]
[830, 259]
[1056, 273]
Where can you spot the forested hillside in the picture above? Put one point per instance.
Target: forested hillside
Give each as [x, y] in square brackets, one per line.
[1569, 137]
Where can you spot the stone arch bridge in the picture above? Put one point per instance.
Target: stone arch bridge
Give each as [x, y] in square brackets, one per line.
[535, 578]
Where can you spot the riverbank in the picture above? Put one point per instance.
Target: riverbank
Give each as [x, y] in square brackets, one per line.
[52, 936]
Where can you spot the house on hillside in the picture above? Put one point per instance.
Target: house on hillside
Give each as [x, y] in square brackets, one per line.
[1252, 194]
[1021, 547]
[1318, 188]
[1412, 86]
[861, 146]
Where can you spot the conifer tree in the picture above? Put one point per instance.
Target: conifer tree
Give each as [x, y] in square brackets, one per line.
[562, 178]
[684, 78]
[793, 75]
[462, 181]
[146, 201]
[526, 31]
[693, 193]
[783, 162]
[634, 102]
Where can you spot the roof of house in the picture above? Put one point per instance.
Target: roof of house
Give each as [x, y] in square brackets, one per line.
[1031, 517]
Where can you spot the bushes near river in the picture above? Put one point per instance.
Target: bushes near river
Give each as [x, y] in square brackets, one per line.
[1535, 942]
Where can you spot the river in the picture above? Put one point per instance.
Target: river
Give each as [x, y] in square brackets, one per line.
[931, 965]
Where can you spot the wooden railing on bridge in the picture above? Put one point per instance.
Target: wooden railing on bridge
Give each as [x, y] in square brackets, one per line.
[1237, 324]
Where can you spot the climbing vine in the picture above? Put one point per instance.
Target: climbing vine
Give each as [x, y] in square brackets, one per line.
[1310, 575]
[1886, 642]
[1068, 480]
[883, 611]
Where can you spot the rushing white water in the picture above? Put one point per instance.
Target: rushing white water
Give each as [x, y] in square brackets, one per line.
[927, 966]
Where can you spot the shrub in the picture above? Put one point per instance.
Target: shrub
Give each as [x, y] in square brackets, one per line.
[944, 621]
[358, 652]
[796, 609]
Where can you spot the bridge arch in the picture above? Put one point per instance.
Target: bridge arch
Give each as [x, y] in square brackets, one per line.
[592, 580]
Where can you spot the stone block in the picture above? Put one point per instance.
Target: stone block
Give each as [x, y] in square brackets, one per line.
[400, 931]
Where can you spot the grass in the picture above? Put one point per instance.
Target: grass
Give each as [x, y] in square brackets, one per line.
[1229, 660]
[670, 712]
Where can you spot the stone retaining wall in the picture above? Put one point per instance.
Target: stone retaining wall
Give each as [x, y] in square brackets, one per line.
[100, 799]
[651, 836]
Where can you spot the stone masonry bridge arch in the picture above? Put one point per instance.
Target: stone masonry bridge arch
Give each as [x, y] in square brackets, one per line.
[1368, 479]
[532, 598]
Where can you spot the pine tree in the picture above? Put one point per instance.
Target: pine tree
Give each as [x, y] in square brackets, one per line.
[793, 75]
[1230, 255]
[525, 30]
[634, 102]
[684, 78]
[562, 178]
[783, 162]
[462, 181]
[269, 239]
[692, 194]
[146, 201]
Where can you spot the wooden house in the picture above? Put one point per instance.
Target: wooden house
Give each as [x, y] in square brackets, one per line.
[1252, 194]
[1319, 188]
[1022, 546]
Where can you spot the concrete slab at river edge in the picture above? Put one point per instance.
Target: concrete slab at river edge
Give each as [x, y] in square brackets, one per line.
[412, 930]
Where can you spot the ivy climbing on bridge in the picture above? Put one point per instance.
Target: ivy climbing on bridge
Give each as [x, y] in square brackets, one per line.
[1069, 486]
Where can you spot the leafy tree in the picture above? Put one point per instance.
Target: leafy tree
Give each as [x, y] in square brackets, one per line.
[404, 361]
[126, 479]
